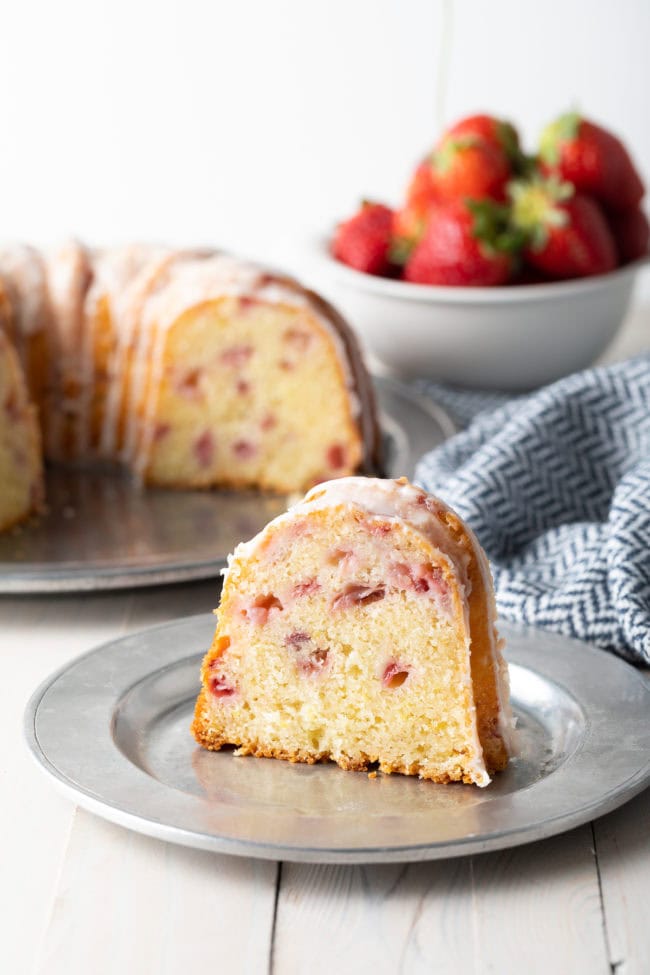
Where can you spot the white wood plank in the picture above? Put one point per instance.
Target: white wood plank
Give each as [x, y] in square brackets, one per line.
[367, 919]
[534, 909]
[37, 635]
[538, 908]
[623, 849]
[127, 903]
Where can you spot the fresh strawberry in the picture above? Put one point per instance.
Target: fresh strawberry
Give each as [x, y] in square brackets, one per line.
[364, 240]
[470, 168]
[498, 132]
[410, 221]
[529, 275]
[422, 193]
[470, 161]
[593, 159]
[631, 232]
[409, 226]
[567, 233]
[466, 243]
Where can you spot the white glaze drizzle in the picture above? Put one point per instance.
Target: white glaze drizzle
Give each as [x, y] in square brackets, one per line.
[68, 273]
[117, 272]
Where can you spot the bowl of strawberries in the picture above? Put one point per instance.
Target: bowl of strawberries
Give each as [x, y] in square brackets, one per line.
[501, 270]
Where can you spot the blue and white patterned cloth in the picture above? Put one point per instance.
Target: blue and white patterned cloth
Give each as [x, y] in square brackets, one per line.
[556, 485]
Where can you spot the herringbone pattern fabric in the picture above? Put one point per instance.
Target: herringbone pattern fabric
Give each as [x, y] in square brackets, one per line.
[557, 487]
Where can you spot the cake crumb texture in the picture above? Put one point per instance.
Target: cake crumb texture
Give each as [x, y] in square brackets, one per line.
[348, 636]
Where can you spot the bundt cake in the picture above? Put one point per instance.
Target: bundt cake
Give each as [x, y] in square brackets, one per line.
[191, 367]
[21, 469]
[360, 627]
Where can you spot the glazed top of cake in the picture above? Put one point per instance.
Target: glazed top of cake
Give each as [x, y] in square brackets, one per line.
[386, 498]
[116, 269]
[393, 499]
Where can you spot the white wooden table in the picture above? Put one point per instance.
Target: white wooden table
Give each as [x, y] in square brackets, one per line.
[79, 896]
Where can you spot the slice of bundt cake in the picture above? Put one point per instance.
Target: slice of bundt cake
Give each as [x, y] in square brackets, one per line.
[360, 627]
[21, 471]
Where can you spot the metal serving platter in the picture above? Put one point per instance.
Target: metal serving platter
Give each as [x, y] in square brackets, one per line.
[112, 730]
[101, 532]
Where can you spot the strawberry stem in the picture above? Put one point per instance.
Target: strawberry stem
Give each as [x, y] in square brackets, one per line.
[494, 228]
[535, 207]
[563, 129]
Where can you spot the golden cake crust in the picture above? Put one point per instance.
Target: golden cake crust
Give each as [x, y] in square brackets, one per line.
[257, 749]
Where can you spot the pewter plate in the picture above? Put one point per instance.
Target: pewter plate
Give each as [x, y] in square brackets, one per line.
[101, 532]
[112, 730]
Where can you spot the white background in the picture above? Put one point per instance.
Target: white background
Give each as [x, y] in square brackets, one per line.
[251, 125]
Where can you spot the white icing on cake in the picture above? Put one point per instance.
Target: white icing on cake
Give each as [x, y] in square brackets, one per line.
[68, 275]
[119, 273]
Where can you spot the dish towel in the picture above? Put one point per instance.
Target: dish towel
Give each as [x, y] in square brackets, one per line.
[556, 485]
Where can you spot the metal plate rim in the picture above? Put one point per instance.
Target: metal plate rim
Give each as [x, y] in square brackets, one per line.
[609, 800]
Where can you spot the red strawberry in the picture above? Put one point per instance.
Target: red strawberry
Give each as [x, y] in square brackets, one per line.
[498, 132]
[410, 221]
[363, 241]
[529, 275]
[568, 234]
[470, 168]
[409, 226]
[466, 243]
[422, 192]
[593, 159]
[631, 232]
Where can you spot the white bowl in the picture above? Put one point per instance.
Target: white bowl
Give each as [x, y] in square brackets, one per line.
[511, 338]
